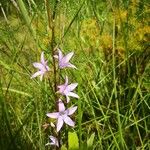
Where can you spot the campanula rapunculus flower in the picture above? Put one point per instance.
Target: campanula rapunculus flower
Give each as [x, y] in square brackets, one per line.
[54, 141]
[66, 89]
[64, 60]
[42, 67]
[63, 115]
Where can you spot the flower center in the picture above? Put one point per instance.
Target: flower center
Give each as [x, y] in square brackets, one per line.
[62, 113]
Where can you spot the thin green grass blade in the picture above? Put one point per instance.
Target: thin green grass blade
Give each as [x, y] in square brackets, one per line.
[26, 17]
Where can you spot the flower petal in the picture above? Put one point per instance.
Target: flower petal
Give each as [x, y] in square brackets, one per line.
[47, 68]
[42, 58]
[60, 123]
[67, 57]
[54, 140]
[61, 105]
[53, 115]
[71, 87]
[37, 74]
[68, 121]
[60, 55]
[38, 65]
[71, 65]
[62, 65]
[61, 88]
[71, 110]
[73, 95]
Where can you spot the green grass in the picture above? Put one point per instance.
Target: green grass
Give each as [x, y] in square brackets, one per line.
[111, 44]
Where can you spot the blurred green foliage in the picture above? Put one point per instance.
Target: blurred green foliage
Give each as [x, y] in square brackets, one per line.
[112, 52]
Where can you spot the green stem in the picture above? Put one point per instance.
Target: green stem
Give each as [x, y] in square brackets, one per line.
[51, 24]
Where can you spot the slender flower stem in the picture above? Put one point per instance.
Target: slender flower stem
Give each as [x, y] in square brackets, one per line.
[54, 64]
[51, 24]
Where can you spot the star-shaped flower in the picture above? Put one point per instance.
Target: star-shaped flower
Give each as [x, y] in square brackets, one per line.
[66, 89]
[42, 66]
[63, 115]
[54, 141]
[64, 60]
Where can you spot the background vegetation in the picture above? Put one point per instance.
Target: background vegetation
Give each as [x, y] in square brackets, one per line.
[110, 39]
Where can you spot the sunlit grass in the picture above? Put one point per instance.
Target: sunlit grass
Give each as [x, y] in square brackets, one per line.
[111, 45]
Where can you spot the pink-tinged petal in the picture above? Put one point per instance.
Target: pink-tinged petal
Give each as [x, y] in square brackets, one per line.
[73, 95]
[67, 57]
[68, 99]
[61, 65]
[47, 68]
[38, 65]
[68, 121]
[60, 55]
[36, 74]
[71, 87]
[42, 58]
[61, 105]
[60, 123]
[61, 88]
[52, 115]
[71, 65]
[71, 110]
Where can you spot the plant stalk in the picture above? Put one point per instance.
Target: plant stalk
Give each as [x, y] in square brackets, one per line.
[51, 25]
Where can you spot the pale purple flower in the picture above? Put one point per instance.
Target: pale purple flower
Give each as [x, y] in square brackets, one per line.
[64, 60]
[63, 115]
[42, 67]
[66, 89]
[54, 141]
